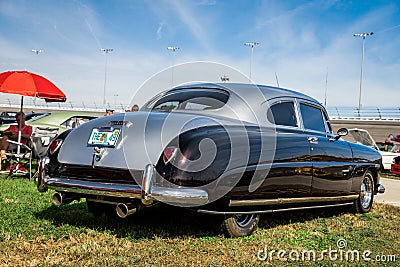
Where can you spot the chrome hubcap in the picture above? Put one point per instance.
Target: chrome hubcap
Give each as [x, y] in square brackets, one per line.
[244, 220]
[366, 192]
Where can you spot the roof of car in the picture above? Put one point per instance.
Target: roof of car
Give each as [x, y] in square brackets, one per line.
[268, 91]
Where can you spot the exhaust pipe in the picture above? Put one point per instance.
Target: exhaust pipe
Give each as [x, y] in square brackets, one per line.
[62, 199]
[124, 210]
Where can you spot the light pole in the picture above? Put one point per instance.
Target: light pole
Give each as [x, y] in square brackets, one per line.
[115, 100]
[363, 35]
[106, 51]
[251, 44]
[36, 51]
[172, 49]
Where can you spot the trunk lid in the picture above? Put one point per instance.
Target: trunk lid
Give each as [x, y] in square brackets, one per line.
[142, 138]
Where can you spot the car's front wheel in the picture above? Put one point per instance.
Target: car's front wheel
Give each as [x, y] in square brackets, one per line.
[240, 225]
[363, 204]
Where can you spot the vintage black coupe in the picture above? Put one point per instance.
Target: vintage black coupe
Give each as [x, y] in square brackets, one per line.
[237, 150]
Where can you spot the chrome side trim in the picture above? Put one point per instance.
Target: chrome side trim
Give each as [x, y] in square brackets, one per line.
[281, 201]
[271, 210]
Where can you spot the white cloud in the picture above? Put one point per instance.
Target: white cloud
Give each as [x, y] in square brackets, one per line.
[189, 18]
[159, 30]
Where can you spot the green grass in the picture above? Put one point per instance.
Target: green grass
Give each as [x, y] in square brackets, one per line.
[34, 232]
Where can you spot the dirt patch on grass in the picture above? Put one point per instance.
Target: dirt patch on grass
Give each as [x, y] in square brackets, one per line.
[102, 249]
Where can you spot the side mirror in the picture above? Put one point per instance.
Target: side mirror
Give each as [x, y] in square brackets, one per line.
[341, 132]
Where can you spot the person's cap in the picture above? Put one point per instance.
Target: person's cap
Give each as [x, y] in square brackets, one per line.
[109, 109]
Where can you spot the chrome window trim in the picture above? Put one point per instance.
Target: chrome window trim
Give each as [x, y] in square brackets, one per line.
[323, 114]
[280, 100]
[150, 104]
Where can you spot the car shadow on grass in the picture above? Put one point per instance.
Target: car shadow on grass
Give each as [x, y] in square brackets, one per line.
[271, 220]
[167, 221]
[159, 220]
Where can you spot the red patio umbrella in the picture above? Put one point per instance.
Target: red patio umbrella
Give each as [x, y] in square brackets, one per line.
[25, 83]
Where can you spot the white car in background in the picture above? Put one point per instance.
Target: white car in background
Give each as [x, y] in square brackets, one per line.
[363, 137]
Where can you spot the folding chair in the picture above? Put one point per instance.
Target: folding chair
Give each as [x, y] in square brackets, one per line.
[15, 159]
[39, 142]
[41, 139]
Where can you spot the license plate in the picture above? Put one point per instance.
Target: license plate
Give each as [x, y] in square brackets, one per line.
[107, 137]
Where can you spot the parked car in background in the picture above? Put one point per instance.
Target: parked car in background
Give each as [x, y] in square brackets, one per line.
[46, 126]
[32, 115]
[363, 137]
[236, 150]
[395, 168]
[62, 120]
[7, 117]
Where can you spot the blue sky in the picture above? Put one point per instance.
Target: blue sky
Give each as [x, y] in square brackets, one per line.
[300, 41]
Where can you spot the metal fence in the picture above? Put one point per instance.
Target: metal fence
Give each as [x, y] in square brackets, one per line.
[37, 104]
[366, 112]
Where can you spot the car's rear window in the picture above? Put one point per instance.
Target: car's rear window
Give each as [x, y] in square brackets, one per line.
[190, 99]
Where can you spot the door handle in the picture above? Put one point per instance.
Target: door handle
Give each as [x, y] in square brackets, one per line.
[313, 139]
[348, 170]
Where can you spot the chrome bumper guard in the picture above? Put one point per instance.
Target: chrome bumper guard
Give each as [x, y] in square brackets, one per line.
[147, 192]
[381, 189]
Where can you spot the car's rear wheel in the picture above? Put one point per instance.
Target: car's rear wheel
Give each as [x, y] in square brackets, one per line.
[98, 209]
[240, 225]
[363, 204]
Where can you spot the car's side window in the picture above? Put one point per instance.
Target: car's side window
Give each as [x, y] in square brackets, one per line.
[282, 113]
[312, 118]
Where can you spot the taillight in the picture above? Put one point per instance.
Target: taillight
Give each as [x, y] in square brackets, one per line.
[55, 145]
[169, 154]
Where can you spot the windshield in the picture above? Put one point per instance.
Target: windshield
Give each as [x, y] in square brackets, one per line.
[189, 99]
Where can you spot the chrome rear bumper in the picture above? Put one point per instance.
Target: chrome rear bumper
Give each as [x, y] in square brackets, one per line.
[147, 192]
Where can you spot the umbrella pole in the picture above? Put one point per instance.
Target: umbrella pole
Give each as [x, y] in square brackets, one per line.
[20, 126]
